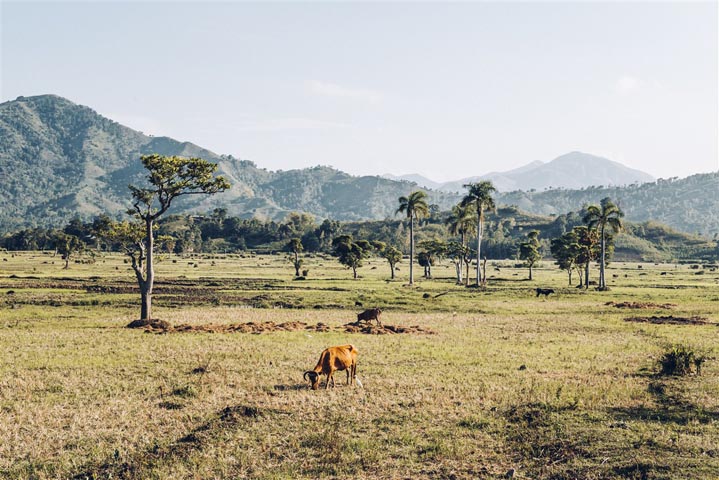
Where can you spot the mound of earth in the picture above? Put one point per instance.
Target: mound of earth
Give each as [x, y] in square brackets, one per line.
[371, 329]
[669, 319]
[248, 327]
[153, 324]
[161, 326]
[641, 305]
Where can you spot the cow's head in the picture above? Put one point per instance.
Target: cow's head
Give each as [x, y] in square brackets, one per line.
[314, 379]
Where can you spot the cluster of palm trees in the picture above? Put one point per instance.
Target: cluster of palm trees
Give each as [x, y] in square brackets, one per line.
[467, 218]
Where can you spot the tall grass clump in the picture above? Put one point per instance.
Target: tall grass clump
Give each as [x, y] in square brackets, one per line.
[682, 360]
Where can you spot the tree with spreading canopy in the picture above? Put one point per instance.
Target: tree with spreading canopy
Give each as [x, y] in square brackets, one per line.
[414, 206]
[566, 251]
[351, 253]
[68, 246]
[479, 195]
[431, 251]
[169, 177]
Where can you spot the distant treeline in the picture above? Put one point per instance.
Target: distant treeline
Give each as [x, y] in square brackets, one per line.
[504, 232]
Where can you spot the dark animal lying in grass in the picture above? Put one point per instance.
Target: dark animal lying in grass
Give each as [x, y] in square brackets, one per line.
[332, 359]
[369, 315]
[544, 291]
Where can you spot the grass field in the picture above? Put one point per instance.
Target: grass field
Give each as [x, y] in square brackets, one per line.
[556, 388]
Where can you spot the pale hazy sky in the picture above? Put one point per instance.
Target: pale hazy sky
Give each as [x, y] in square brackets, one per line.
[448, 90]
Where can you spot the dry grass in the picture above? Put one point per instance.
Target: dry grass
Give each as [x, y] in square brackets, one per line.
[558, 388]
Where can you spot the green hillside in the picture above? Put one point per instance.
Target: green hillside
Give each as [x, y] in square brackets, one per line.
[689, 204]
[59, 160]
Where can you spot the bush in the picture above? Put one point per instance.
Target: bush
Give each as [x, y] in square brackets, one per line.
[681, 360]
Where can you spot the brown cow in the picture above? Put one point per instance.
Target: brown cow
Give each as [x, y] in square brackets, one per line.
[332, 359]
[369, 315]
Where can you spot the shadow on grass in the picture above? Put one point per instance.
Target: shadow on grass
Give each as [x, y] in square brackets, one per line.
[670, 408]
[291, 388]
[137, 464]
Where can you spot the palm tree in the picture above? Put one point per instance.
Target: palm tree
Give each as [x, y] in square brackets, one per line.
[415, 206]
[461, 222]
[606, 215]
[480, 196]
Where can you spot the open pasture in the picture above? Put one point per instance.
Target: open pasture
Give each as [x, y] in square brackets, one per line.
[561, 388]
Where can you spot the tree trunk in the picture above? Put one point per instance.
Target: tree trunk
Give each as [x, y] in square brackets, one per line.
[297, 266]
[67, 263]
[479, 243]
[146, 286]
[411, 249]
[530, 272]
[602, 283]
[391, 266]
[354, 272]
[586, 276]
[461, 261]
[569, 270]
[146, 307]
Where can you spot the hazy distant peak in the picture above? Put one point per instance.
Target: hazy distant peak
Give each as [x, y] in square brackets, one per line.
[420, 180]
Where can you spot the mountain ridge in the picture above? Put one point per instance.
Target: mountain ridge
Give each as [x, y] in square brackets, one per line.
[572, 170]
[59, 160]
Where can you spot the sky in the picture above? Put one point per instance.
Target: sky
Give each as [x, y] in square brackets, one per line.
[447, 90]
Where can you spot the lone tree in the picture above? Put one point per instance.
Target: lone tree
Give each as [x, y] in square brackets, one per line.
[349, 253]
[432, 250]
[588, 241]
[68, 246]
[479, 195]
[529, 250]
[294, 246]
[566, 251]
[389, 253]
[414, 206]
[168, 178]
[605, 216]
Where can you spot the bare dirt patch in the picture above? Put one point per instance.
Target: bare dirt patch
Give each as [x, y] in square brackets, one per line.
[669, 320]
[641, 305]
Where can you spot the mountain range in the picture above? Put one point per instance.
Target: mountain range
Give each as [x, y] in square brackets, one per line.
[570, 171]
[59, 160]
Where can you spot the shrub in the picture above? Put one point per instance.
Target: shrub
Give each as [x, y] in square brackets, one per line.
[681, 360]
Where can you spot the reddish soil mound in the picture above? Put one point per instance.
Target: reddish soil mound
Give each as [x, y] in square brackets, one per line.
[641, 305]
[152, 324]
[249, 327]
[669, 319]
[385, 329]
[160, 326]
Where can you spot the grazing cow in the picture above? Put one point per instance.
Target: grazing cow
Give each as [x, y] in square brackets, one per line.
[369, 315]
[544, 291]
[332, 359]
